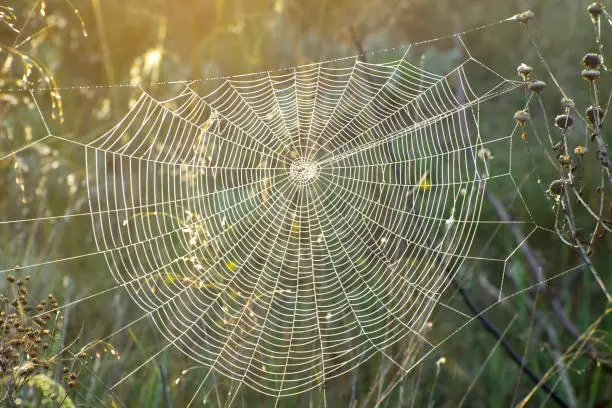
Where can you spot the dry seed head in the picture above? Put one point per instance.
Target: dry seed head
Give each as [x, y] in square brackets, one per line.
[557, 187]
[567, 103]
[565, 160]
[595, 9]
[523, 17]
[10, 278]
[592, 61]
[564, 121]
[536, 86]
[25, 369]
[522, 117]
[595, 115]
[524, 71]
[591, 74]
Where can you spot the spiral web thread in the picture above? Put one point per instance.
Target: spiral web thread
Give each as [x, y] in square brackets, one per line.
[287, 226]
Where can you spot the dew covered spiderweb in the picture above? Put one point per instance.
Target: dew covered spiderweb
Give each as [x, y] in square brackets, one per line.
[281, 228]
[286, 226]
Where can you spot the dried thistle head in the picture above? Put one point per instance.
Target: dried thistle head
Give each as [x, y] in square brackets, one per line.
[523, 17]
[595, 9]
[536, 86]
[522, 117]
[524, 71]
[567, 103]
[557, 187]
[591, 74]
[592, 61]
[565, 160]
[564, 121]
[595, 115]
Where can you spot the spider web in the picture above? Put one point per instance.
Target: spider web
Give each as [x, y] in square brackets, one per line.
[286, 226]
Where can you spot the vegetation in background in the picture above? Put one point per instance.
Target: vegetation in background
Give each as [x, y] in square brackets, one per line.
[75, 56]
[37, 367]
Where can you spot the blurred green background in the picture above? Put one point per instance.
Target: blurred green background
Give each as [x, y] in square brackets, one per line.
[143, 42]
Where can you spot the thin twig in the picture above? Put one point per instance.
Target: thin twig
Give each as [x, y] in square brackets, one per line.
[506, 346]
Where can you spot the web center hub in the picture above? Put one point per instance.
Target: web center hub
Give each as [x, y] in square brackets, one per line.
[303, 171]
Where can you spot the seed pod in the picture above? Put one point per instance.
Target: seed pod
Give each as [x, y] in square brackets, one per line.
[524, 71]
[25, 369]
[557, 187]
[591, 74]
[536, 86]
[10, 278]
[592, 61]
[524, 17]
[595, 115]
[564, 121]
[522, 117]
[567, 103]
[565, 160]
[595, 9]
